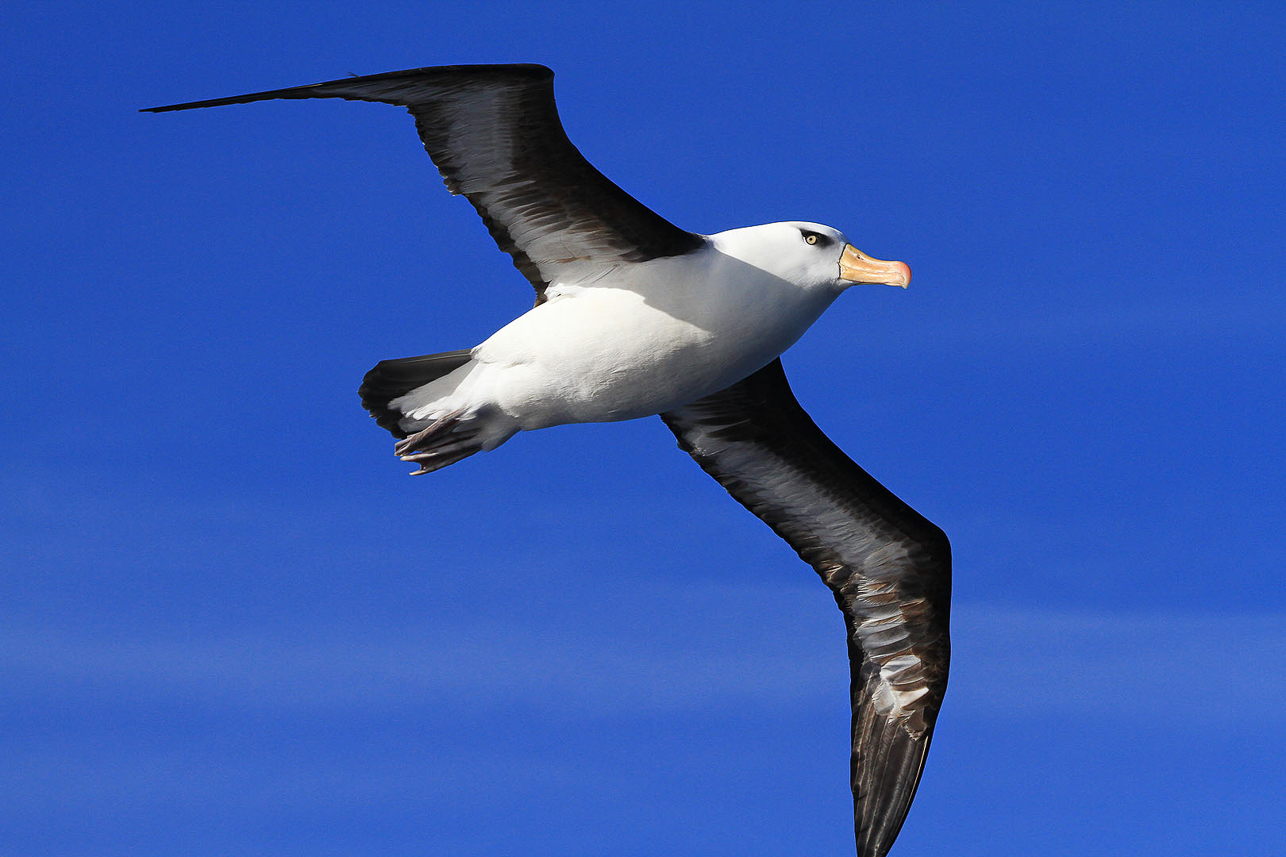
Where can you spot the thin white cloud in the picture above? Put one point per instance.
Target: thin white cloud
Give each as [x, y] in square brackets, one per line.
[689, 648]
[1180, 668]
[698, 653]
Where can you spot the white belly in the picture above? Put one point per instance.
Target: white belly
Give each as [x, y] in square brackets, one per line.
[599, 354]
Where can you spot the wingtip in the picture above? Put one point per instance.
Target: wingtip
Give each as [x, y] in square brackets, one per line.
[886, 778]
[319, 90]
[212, 102]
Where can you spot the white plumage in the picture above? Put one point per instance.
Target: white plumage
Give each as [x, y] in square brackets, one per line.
[641, 338]
[635, 316]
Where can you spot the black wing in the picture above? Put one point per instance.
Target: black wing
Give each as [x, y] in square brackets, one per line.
[888, 567]
[494, 133]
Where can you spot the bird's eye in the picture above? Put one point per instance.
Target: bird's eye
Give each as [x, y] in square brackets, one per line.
[811, 237]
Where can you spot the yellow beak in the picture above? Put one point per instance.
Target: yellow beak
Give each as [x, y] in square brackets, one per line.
[857, 267]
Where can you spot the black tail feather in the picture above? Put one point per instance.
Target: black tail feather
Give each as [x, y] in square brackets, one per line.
[393, 378]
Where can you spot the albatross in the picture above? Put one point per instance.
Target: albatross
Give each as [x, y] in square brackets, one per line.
[635, 317]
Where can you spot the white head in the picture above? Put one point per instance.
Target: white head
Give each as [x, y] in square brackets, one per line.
[809, 255]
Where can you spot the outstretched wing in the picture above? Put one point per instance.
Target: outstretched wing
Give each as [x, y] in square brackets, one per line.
[888, 567]
[494, 133]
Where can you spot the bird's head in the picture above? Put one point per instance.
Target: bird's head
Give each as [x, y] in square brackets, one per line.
[811, 255]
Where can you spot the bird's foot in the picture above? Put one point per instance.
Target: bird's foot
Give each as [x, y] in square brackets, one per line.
[424, 439]
[440, 444]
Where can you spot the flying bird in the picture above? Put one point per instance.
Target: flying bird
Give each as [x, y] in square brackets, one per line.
[635, 316]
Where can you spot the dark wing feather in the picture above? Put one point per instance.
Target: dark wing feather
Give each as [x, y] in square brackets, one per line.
[888, 567]
[495, 135]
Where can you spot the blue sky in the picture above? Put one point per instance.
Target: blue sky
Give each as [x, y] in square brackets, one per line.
[231, 625]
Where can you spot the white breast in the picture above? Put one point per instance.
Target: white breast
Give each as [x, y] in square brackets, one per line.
[643, 340]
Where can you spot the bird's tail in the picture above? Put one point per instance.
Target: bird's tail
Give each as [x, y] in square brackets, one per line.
[392, 379]
[419, 400]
